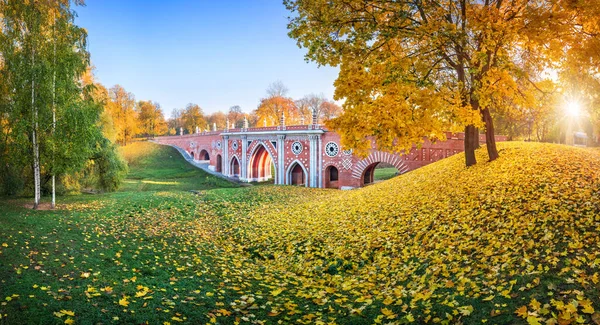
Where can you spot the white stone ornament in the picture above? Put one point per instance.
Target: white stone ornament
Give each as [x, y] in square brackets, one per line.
[332, 149]
[297, 148]
[234, 146]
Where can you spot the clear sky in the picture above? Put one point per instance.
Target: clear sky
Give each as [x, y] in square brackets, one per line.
[213, 53]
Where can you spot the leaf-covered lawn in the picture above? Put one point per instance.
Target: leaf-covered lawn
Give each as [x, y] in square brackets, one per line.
[512, 241]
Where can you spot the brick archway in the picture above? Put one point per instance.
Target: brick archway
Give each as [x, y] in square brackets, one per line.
[203, 155]
[377, 157]
[234, 167]
[296, 174]
[260, 161]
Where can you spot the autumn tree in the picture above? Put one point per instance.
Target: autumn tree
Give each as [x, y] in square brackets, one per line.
[217, 118]
[419, 68]
[275, 104]
[174, 122]
[324, 108]
[192, 117]
[151, 119]
[235, 116]
[124, 115]
[329, 110]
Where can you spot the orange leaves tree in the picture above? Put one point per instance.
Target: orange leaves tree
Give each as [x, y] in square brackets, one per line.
[417, 68]
[275, 104]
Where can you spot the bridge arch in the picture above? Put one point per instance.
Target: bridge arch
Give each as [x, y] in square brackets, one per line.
[203, 155]
[331, 176]
[365, 169]
[296, 174]
[234, 167]
[260, 164]
[219, 166]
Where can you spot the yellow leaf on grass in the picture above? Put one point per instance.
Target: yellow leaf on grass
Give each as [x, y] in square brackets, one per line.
[532, 320]
[388, 301]
[67, 312]
[522, 311]
[123, 302]
[276, 292]
[388, 313]
[69, 321]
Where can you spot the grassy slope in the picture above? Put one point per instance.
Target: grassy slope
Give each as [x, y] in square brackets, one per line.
[441, 243]
[154, 167]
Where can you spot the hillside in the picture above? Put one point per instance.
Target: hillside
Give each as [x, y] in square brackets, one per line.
[514, 241]
[154, 167]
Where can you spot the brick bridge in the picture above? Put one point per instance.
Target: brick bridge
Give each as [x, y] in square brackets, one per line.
[306, 155]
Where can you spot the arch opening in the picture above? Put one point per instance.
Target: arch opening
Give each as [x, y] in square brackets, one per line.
[219, 166]
[379, 171]
[235, 167]
[296, 175]
[261, 165]
[203, 155]
[332, 177]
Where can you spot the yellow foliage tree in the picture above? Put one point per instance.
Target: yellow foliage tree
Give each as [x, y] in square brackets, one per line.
[412, 69]
[151, 119]
[122, 109]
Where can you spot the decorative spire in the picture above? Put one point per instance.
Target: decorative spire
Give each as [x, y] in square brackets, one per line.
[227, 128]
[245, 122]
[197, 129]
[282, 122]
[315, 119]
[180, 130]
[265, 122]
[214, 126]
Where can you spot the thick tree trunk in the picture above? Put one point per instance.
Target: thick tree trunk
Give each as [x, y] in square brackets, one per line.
[471, 143]
[490, 138]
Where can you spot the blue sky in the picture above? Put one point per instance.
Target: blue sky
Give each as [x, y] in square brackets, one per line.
[213, 53]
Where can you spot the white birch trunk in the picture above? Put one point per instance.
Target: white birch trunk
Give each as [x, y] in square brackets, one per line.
[36, 151]
[54, 113]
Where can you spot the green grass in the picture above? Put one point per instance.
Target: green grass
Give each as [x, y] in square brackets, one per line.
[161, 168]
[382, 174]
[521, 228]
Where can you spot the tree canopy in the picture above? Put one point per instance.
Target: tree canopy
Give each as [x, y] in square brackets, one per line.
[419, 68]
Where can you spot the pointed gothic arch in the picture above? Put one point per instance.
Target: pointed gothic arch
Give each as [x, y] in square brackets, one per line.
[260, 164]
[297, 174]
[234, 167]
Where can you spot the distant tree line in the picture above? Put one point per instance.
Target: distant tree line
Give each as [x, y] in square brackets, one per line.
[126, 119]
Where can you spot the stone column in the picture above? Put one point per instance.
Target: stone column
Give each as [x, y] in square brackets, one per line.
[319, 161]
[313, 161]
[225, 160]
[280, 159]
[244, 164]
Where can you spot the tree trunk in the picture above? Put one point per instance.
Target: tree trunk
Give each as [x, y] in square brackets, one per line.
[36, 149]
[54, 116]
[471, 143]
[490, 138]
